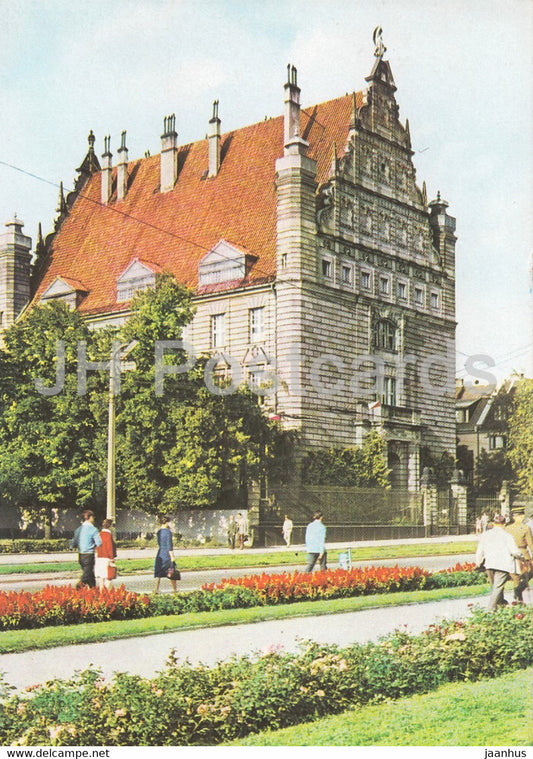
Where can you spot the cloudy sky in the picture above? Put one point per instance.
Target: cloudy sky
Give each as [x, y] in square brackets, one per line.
[464, 72]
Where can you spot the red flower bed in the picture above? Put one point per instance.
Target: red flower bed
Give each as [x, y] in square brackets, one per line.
[332, 583]
[66, 605]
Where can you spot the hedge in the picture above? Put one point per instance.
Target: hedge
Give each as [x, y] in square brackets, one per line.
[189, 704]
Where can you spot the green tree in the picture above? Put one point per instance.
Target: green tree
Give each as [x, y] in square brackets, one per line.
[358, 467]
[492, 469]
[46, 427]
[520, 451]
[184, 446]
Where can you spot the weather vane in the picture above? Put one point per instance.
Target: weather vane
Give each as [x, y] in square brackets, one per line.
[378, 42]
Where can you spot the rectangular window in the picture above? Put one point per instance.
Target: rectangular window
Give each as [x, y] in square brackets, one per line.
[326, 268]
[346, 275]
[462, 415]
[283, 260]
[256, 322]
[384, 286]
[435, 300]
[402, 291]
[419, 296]
[389, 391]
[218, 330]
[365, 280]
[496, 442]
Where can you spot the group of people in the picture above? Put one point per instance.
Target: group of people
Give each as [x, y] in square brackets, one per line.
[96, 551]
[237, 531]
[505, 551]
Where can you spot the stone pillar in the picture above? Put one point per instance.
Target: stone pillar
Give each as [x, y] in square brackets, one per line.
[413, 467]
[429, 496]
[460, 495]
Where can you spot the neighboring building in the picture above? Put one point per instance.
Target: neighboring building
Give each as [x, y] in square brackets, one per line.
[482, 414]
[315, 259]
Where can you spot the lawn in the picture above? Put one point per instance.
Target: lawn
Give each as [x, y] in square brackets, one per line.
[253, 559]
[15, 641]
[495, 712]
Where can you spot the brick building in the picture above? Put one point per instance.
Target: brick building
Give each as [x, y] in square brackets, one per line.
[321, 273]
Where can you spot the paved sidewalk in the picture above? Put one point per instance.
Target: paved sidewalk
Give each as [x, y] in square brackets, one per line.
[147, 655]
[143, 553]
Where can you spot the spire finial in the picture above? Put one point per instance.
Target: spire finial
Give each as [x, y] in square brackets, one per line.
[91, 139]
[380, 48]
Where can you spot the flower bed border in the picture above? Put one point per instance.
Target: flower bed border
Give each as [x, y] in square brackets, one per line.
[66, 605]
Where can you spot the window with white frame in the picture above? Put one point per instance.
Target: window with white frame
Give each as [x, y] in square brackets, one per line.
[256, 321]
[346, 274]
[218, 330]
[366, 280]
[435, 300]
[389, 391]
[402, 290]
[327, 268]
[496, 442]
[419, 296]
[384, 286]
[385, 334]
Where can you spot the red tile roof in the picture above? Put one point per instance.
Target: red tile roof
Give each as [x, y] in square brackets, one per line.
[174, 230]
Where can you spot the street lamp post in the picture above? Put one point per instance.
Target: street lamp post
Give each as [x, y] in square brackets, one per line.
[118, 354]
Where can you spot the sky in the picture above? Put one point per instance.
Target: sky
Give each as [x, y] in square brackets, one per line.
[464, 73]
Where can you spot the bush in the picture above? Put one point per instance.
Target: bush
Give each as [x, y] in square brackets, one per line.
[198, 705]
[37, 545]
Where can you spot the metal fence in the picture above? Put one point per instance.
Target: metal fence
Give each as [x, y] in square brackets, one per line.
[349, 513]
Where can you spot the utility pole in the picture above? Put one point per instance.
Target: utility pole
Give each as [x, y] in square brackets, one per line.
[118, 354]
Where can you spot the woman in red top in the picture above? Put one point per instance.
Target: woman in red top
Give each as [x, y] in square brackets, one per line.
[104, 565]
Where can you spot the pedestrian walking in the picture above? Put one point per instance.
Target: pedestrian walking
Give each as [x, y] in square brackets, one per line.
[286, 530]
[231, 531]
[242, 530]
[315, 542]
[496, 551]
[164, 559]
[484, 520]
[104, 565]
[523, 538]
[86, 539]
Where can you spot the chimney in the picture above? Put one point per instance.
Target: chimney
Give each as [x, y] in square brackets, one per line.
[214, 142]
[292, 107]
[169, 154]
[122, 168]
[107, 172]
[15, 259]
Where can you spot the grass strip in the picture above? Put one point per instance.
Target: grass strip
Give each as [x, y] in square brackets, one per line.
[494, 712]
[16, 641]
[253, 560]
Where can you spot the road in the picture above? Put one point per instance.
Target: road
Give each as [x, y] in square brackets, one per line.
[143, 582]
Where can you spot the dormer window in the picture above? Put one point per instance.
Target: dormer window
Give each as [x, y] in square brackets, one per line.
[137, 277]
[65, 289]
[224, 263]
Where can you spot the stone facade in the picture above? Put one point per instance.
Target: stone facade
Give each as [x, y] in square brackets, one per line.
[336, 299]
